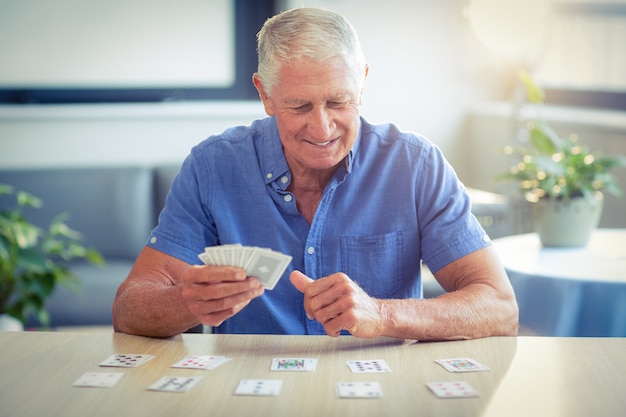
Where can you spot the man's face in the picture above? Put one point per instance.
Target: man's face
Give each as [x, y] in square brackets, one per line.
[317, 112]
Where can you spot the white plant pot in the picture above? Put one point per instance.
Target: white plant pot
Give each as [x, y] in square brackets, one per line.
[566, 223]
[10, 323]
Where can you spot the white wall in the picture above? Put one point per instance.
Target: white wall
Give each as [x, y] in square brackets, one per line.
[117, 43]
[423, 77]
[110, 134]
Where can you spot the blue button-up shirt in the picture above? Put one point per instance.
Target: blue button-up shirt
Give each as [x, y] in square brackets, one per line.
[395, 202]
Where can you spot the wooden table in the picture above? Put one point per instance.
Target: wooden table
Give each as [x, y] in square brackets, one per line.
[529, 376]
[569, 291]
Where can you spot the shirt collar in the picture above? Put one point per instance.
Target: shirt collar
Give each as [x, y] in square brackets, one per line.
[272, 158]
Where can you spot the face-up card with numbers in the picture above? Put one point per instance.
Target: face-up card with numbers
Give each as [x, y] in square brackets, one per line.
[201, 362]
[175, 383]
[293, 364]
[358, 390]
[462, 365]
[260, 387]
[452, 389]
[98, 379]
[368, 366]
[126, 360]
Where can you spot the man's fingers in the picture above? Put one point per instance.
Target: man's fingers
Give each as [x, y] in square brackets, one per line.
[215, 293]
[206, 274]
[213, 311]
[300, 281]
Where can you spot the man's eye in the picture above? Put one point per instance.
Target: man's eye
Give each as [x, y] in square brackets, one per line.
[337, 104]
[302, 109]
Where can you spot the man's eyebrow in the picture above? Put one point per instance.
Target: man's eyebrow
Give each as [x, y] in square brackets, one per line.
[296, 102]
[341, 96]
[337, 97]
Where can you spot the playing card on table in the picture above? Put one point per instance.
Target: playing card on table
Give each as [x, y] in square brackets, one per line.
[368, 366]
[293, 364]
[201, 362]
[126, 360]
[358, 390]
[452, 389]
[462, 365]
[98, 379]
[260, 387]
[175, 383]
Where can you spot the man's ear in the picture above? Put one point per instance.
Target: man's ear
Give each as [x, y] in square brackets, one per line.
[267, 103]
[367, 71]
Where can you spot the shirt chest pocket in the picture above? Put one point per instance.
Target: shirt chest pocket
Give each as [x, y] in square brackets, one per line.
[374, 262]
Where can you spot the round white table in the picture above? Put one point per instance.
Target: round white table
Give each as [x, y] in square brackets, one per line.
[569, 291]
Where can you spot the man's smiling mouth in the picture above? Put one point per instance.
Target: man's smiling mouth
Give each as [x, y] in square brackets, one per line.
[322, 144]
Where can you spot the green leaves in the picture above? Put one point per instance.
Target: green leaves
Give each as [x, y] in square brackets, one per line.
[34, 260]
[534, 92]
[556, 167]
[543, 138]
[25, 199]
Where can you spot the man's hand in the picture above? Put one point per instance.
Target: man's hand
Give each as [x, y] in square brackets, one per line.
[338, 303]
[215, 293]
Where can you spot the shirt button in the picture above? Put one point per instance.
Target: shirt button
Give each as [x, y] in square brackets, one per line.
[311, 250]
[153, 240]
[288, 198]
[269, 175]
[284, 179]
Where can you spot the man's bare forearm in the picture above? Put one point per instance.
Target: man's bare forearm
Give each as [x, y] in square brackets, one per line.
[150, 310]
[456, 315]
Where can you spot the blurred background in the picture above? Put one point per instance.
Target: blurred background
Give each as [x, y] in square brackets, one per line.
[123, 82]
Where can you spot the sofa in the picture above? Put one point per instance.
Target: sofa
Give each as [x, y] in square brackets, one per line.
[116, 207]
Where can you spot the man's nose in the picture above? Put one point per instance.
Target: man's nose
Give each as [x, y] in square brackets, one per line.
[320, 124]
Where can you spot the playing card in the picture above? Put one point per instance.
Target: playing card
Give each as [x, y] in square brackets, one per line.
[265, 264]
[293, 364]
[247, 255]
[268, 267]
[368, 366]
[98, 379]
[461, 365]
[240, 258]
[220, 255]
[201, 362]
[126, 360]
[206, 258]
[175, 383]
[358, 390]
[261, 387]
[452, 389]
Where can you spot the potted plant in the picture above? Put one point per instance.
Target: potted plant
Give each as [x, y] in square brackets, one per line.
[562, 179]
[34, 260]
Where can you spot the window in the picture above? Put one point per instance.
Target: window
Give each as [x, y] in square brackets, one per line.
[584, 60]
[80, 51]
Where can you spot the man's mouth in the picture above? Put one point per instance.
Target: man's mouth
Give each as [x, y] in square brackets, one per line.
[322, 144]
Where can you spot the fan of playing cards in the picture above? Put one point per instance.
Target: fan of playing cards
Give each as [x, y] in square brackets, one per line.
[265, 264]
